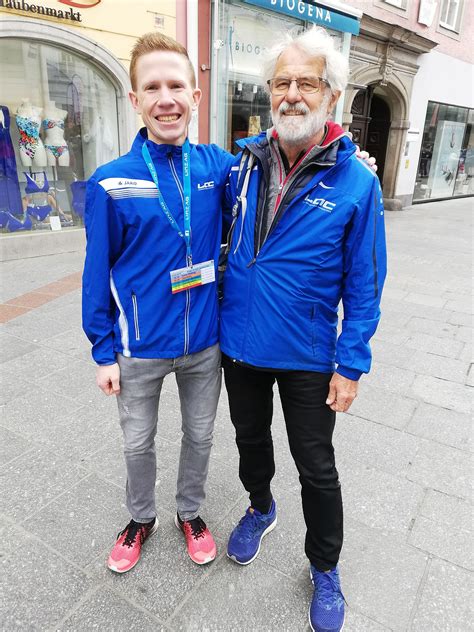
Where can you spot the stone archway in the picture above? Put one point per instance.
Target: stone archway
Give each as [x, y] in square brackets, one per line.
[394, 93]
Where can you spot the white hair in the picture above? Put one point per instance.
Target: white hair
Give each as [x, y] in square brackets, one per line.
[317, 43]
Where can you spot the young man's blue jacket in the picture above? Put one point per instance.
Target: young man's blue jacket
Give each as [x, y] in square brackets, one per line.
[127, 302]
[280, 305]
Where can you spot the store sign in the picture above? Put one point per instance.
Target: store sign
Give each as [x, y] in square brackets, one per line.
[39, 9]
[311, 13]
[81, 5]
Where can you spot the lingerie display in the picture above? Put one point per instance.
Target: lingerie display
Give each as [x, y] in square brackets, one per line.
[37, 187]
[10, 197]
[56, 150]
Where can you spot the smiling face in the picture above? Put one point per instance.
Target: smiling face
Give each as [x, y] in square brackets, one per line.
[299, 118]
[164, 96]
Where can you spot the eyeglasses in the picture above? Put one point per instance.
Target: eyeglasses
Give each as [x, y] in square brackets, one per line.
[279, 86]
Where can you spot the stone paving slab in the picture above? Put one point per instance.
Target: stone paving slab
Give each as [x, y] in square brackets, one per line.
[430, 536]
[439, 392]
[384, 407]
[33, 480]
[102, 607]
[442, 425]
[446, 600]
[442, 468]
[45, 586]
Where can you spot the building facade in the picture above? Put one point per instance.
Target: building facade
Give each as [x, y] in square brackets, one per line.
[416, 124]
[412, 103]
[64, 106]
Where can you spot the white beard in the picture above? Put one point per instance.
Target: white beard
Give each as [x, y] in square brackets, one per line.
[294, 130]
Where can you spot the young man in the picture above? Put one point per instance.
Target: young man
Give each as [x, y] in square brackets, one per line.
[312, 235]
[149, 290]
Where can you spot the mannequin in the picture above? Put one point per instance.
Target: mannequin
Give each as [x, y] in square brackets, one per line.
[28, 120]
[53, 126]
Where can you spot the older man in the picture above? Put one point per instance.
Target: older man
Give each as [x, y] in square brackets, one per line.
[308, 233]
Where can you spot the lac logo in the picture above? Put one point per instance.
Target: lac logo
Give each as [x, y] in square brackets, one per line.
[85, 4]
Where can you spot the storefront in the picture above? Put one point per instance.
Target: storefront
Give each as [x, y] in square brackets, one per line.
[57, 125]
[241, 32]
[446, 163]
[64, 106]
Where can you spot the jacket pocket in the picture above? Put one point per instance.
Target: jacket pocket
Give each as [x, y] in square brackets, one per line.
[313, 329]
[135, 316]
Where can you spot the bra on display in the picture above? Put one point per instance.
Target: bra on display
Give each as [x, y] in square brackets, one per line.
[50, 123]
[37, 187]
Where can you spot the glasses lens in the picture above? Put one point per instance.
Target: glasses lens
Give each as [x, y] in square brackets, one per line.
[279, 86]
[308, 86]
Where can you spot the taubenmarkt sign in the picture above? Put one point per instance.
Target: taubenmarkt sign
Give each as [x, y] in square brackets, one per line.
[50, 12]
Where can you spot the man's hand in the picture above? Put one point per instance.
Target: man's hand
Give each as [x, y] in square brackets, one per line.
[342, 392]
[364, 155]
[108, 379]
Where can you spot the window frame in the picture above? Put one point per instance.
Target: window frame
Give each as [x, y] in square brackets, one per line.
[445, 7]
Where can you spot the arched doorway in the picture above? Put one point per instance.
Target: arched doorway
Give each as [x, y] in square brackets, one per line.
[371, 119]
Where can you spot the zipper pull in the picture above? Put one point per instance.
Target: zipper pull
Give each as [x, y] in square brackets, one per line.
[250, 263]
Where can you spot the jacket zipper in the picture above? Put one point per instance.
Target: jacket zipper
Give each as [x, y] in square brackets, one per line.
[188, 294]
[135, 316]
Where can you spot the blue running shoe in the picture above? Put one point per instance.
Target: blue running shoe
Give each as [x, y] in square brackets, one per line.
[245, 539]
[326, 612]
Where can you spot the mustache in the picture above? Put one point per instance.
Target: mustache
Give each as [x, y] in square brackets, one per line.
[296, 108]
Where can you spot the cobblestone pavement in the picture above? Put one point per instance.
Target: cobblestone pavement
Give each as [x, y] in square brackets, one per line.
[403, 454]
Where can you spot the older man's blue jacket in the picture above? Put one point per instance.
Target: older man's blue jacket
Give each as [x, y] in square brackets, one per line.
[325, 246]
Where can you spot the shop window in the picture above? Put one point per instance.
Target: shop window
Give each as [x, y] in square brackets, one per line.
[401, 4]
[450, 14]
[58, 122]
[243, 105]
[446, 163]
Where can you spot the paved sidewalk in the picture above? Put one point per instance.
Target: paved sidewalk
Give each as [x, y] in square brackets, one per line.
[404, 456]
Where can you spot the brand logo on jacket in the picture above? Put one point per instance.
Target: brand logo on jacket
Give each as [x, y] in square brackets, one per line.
[321, 203]
[206, 185]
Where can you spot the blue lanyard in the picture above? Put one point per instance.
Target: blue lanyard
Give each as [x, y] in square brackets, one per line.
[186, 235]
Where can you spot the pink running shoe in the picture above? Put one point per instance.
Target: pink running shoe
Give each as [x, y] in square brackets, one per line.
[127, 549]
[199, 540]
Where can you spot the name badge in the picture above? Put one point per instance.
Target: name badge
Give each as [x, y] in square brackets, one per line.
[192, 276]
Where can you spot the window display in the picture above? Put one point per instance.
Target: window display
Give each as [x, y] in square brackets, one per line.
[446, 165]
[242, 106]
[58, 122]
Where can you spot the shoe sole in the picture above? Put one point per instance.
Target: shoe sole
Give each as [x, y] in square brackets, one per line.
[114, 569]
[267, 530]
[309, 611]
[209, 559]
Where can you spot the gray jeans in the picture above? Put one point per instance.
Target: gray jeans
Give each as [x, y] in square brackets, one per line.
[198, 377]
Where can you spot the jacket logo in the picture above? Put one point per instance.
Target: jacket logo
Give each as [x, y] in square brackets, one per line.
[321, 203]
[206, 185]
[127, 183]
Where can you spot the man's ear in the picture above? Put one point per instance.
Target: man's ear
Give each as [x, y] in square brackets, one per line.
[197, 95]
[333, 100]
[134, 101]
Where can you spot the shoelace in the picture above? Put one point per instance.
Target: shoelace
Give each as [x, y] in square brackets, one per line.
[248, 525]
[198, 526]
[328, 588]
[132, 529]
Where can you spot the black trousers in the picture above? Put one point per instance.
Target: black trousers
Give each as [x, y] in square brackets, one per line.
[309, 425]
